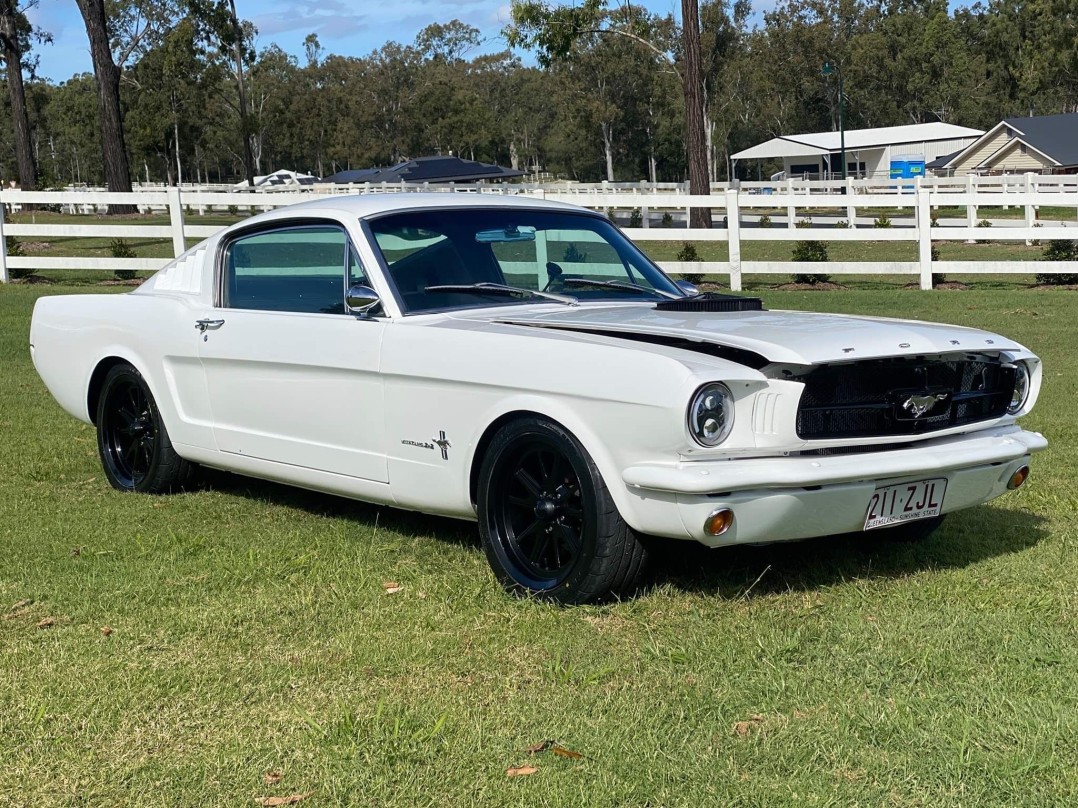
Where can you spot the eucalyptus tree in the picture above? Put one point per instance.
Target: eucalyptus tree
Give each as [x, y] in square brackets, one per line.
[222, 30]
[165, 118]
[16, 38]
[555, 32]
[119, 31]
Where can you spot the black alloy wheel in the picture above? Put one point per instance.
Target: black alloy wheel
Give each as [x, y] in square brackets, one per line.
[135, 449]
[538, 515]
[548, 524]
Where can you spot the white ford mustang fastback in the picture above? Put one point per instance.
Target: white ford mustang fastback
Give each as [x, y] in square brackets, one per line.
[523, 363]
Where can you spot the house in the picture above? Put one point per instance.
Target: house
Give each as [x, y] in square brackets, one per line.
[427, 169]
[892, 151]
[1045, 144]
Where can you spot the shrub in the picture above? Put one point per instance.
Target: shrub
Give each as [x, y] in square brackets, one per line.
[635, 218]
[810, 252]
[764, 221]
[572, 255]
[937, 277]
[233, 210]
[14, 248]
[983, 223]
[668, 220]
[842, 224]
[688, 253]
[883, 220]
[934, 218]
[119, 248]
[1059, 250]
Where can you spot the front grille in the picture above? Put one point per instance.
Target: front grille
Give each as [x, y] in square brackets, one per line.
[881, 397]
[851, 450]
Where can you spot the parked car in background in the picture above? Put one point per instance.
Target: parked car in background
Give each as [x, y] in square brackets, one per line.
[523, 364]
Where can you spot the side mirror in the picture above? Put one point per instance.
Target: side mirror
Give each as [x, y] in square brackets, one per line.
[361, 299]
[689, 289]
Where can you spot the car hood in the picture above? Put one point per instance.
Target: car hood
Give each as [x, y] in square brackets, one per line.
[795, 337]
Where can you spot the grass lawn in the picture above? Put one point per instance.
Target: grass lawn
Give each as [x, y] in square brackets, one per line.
[174, 650]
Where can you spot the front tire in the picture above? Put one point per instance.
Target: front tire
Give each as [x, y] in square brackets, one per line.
[548, 524]
[134, 446]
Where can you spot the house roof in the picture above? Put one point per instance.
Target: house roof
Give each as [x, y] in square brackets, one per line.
[940, 162]
[827, 142]
[1055, 136]
[427, 169]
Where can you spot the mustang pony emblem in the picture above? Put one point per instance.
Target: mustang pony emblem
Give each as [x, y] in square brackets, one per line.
[919, 405]
[442, 444]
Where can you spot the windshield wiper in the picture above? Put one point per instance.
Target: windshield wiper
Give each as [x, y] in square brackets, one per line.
[632, 287]
[501, 289]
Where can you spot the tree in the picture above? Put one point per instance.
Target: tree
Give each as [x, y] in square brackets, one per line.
[165, 119]
[130, 26]
[221, 27]
[692, 81]
[107, 74]
[554, 30]
[15, 37]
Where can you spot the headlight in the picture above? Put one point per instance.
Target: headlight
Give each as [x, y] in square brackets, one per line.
[711, 414]
[1021, 388]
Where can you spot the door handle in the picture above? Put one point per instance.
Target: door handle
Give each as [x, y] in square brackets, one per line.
[208, 325]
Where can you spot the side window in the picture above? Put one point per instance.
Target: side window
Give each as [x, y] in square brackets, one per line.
[300, 269]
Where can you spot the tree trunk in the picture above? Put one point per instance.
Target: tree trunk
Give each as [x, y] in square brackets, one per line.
[176, 139]
[107, 74]
[241, 87]
[12, 55]
[693, 85]
[608, 150]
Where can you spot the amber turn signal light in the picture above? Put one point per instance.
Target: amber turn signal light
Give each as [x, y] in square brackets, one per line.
[1018, 478]
[719, 522]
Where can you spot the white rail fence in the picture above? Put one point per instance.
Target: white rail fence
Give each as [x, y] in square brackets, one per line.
[735, 211]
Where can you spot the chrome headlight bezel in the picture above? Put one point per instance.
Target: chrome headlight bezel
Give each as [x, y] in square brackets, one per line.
[1023, 384]
[710, 400]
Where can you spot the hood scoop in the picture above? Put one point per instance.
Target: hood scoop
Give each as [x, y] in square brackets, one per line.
[712, 301]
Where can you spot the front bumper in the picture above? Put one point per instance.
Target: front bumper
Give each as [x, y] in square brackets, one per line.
[784, 498]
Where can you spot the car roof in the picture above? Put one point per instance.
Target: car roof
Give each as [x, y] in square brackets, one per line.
[365, 205]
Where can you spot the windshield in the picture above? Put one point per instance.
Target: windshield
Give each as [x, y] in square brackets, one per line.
[540, 250]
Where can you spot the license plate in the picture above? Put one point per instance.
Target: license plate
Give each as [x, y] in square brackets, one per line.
[894, 504]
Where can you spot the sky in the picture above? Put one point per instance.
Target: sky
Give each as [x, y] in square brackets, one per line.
[345, 27]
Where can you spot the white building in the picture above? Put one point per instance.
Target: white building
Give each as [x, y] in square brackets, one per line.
[889, 152]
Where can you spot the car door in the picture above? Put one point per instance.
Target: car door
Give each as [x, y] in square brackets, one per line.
[292, 377]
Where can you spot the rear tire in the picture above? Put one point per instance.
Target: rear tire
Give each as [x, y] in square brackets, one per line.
[548, 524]
[134, 446]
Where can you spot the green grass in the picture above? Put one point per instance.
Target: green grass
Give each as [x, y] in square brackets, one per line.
[251, 633]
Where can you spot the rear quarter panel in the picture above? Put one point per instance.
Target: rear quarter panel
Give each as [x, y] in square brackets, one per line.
[70, 335]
